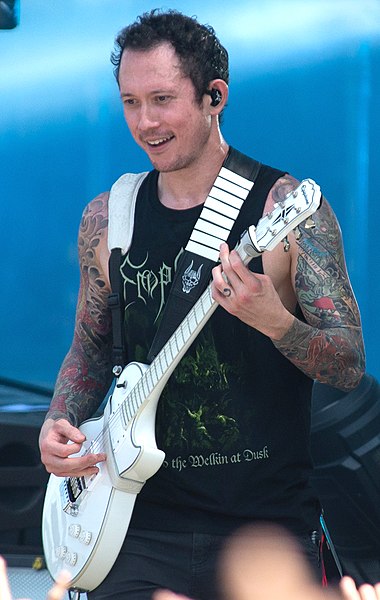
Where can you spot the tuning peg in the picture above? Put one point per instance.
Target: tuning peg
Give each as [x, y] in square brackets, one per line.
[297, 233]
[286, 243]
[309, 223]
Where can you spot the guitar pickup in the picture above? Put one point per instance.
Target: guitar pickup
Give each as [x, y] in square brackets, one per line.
[71, 489]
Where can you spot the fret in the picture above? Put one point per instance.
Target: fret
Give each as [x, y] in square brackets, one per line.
[177, 342]
[159, 361]
[149, 375]
[137, 399]
[133, 403]
[148, 380]
[155, 367]
[124, 414]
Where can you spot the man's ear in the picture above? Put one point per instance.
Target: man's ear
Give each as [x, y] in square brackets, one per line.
[218, 92]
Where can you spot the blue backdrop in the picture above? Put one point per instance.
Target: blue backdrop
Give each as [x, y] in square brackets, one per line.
[304, 97]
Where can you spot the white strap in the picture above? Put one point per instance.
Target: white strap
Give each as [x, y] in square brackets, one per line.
[121, 210]
[219, 213]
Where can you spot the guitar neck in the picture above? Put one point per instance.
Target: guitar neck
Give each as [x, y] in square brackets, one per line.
[155, 377]
[170, 355]
[159, 371]
[271, 229]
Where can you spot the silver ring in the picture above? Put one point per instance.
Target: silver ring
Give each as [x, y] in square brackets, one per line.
[227, 292]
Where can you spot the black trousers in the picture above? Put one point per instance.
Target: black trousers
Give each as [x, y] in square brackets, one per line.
[182, 562]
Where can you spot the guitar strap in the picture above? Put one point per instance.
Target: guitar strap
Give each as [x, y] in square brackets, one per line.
[220, 211]
[121, 211]
[116, 306]
[221, 208]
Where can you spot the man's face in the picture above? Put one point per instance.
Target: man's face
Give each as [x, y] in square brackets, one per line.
[160, 108]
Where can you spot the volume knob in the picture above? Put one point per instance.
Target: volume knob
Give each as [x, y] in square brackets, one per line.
[61, 551]
[85, 537]
[74, 530]
[71, 558]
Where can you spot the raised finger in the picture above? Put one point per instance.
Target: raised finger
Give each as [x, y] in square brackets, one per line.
[234, 270]
[62, 428]
[368, 592]
[76, 466]
[348, 589]
[58, 591]
[5, 593]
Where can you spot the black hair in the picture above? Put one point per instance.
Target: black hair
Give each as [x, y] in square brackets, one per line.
[202, 56]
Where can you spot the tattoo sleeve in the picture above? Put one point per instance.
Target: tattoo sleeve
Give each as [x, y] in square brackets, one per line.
[85, 374]
[329, 346]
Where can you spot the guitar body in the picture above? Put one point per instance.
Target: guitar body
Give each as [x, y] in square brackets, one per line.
[85, 520]
[84, 534]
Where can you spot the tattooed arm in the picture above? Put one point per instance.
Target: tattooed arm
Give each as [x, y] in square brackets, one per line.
[327, 347]
[85, 374]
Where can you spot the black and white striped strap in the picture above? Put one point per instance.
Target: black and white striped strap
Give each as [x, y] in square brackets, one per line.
[219, 213]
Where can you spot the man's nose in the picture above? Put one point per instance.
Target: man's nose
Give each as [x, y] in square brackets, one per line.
[148, 117]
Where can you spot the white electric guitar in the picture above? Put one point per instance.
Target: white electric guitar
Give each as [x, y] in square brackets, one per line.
[85, 519]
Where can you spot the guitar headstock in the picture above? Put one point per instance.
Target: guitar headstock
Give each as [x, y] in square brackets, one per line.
[297, 207]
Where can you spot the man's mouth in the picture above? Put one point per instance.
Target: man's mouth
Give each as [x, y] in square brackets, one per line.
[159, 141]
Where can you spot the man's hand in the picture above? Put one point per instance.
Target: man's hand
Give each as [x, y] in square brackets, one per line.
[249, 296]
[57, 453]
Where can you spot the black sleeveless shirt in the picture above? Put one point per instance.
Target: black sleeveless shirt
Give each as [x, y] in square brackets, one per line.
[234, 418]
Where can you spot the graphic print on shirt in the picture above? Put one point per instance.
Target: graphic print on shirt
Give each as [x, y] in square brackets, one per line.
[185, 410]
[191, 278]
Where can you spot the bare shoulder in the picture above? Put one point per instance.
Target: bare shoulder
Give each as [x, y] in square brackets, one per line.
[277, 263]
[280, 189]
[92, 239]
[95, 217]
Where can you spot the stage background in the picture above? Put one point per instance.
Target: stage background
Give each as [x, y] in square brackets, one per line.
[304, 97]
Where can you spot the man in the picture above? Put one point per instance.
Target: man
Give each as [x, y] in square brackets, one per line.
[233, 419]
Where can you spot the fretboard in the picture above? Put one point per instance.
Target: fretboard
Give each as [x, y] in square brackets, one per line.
[167, 359]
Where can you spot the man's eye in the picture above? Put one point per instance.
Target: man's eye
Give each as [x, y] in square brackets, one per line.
[162, 98]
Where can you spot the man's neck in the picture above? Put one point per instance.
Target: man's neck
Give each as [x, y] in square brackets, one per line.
[189, 187]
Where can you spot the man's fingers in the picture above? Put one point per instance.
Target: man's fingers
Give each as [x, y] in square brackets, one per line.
[76, 467]
[63, 428]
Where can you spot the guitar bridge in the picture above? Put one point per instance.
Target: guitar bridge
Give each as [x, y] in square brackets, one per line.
[72, 490]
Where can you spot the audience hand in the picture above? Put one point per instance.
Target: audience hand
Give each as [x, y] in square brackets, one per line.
[364, 592]
[266, 563]
[57, 592]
